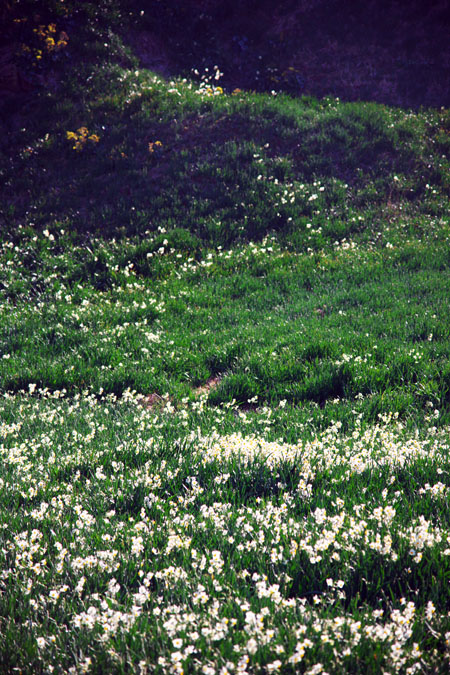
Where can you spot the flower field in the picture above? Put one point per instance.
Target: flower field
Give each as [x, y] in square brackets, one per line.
[277, 520]
[224, 369]
[131, 541]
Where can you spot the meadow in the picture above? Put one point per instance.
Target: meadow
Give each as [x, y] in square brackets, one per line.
[224, 375]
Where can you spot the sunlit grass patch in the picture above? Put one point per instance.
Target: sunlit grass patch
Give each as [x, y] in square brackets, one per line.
[353, 323]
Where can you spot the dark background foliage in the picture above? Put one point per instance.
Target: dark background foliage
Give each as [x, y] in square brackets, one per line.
[396, 53]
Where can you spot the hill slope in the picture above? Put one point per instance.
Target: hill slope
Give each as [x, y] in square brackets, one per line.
[224, 369]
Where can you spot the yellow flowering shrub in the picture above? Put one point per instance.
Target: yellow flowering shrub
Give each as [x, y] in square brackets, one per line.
[155, 147]
[81, 137]
[49, 41]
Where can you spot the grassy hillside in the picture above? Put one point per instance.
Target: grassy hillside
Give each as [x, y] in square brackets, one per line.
[224, 369]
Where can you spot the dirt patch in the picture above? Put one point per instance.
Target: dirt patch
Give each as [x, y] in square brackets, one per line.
[152, 401]
[212, 383]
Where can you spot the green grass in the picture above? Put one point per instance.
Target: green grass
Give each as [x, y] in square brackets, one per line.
[290, 514]
[230, 168]
[350, 323]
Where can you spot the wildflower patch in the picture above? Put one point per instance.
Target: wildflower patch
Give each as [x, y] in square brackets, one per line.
[236, 550]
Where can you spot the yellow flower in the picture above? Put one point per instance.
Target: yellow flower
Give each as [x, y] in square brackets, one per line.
[63, 40]
[81, 137]
[154, 146]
